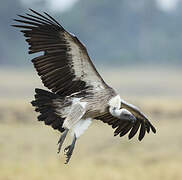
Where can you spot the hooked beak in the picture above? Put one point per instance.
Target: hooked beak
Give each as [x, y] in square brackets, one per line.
[127, 115]
[141, 121]
[133, 109]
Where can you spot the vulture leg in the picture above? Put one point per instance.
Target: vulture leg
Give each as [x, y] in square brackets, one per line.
[61, 139]
[69, 149]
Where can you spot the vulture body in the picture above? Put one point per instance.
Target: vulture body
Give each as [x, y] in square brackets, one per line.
[78, 94]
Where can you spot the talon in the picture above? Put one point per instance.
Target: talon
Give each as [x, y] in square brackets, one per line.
[65, 149]
[61, 140]
[66, 162]
[69, 150]
[68, 155]
[59, 149]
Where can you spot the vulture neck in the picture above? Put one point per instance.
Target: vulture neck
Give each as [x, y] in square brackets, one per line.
[116, 104]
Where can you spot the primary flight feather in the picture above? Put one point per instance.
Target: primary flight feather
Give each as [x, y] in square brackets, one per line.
[78, 94]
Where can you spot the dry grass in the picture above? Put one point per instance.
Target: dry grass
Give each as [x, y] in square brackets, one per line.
[29, 151]
[28, 148]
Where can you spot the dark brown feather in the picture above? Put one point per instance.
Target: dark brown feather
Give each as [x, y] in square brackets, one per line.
[45, 34]
[142, 131]
[43, 104]
[134, 129]
[126, 129]
[121, 126]
[27, 22]
[45, 18]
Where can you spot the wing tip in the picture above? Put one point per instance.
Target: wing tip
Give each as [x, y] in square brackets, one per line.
[130, 136]
[153, 129]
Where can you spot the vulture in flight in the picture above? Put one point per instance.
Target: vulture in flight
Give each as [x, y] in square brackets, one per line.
[78, 94]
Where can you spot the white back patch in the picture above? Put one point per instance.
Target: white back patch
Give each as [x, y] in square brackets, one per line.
[80, 127]
[77, 101]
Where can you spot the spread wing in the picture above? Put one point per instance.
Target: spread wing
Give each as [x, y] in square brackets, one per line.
[65, 66]
[122, 127]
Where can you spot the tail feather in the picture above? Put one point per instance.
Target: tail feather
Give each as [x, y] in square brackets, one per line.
[43, 103]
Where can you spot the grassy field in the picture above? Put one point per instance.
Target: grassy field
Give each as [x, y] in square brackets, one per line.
[28, 148]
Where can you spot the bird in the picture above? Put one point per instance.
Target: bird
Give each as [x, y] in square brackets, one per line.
[76, 93]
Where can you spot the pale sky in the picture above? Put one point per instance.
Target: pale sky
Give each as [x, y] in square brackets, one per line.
[63, 5]
[167, 5]
[53, 5]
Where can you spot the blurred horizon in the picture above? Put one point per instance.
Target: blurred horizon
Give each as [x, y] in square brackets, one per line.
[122, 33]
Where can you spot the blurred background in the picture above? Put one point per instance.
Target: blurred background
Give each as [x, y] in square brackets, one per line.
[136, 47]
